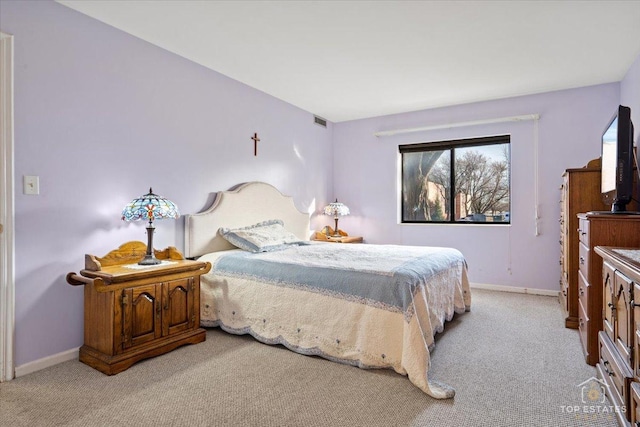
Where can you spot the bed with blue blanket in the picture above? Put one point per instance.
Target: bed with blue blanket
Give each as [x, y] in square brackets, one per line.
[371, 306]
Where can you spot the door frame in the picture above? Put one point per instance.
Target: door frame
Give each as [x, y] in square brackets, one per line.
[7, 241]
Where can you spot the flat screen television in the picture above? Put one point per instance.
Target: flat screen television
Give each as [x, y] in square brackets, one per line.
[617, 161]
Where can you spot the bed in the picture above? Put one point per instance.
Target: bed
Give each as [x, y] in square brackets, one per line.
[371, 306]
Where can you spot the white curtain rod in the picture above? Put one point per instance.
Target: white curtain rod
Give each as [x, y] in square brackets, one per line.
[459, 124]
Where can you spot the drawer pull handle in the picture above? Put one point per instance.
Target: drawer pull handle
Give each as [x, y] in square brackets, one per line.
[612, 306]
[581, 291]
[582, 260]
[606, 369]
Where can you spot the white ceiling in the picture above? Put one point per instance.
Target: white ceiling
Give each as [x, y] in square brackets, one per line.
[346, 60]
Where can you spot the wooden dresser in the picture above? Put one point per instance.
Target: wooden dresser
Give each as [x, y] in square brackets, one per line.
[580, 192]
[134, 312]
[619, 341]
[598, 230]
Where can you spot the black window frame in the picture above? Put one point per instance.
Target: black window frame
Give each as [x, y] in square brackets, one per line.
[451, 145]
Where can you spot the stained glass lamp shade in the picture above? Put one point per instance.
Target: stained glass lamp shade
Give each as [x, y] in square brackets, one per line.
[336, 209]
[149, 208]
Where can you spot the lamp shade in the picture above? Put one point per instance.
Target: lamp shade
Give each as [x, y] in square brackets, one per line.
[150, 207]
[336, 209]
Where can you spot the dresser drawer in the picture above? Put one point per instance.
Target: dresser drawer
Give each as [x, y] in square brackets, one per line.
[583, 290]
[583, 260]
[616, 373]
[583, 231]
[583, 328]
[564, 295]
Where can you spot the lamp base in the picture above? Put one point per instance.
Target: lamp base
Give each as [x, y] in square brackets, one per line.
[149, 260]
[149, 257]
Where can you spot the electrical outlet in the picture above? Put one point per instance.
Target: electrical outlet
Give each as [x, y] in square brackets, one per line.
[31, 185]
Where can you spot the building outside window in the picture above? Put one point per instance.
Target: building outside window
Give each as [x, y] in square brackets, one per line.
[459, 181]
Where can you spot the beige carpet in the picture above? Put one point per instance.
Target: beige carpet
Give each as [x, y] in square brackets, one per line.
[510, 359]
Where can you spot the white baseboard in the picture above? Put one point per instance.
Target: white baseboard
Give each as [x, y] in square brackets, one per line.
[46, 362]
[545, 292]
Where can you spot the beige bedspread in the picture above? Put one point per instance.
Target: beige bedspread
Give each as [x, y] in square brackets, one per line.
[347, 327]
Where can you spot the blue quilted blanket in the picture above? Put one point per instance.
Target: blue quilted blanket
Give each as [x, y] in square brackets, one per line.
[385, 276]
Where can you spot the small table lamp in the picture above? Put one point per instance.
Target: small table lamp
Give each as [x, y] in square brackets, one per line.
[336, 209]
[150, 207]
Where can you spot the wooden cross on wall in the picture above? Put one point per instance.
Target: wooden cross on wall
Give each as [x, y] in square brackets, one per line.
[255, 143]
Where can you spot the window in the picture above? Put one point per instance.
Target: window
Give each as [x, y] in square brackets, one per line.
[461, 181]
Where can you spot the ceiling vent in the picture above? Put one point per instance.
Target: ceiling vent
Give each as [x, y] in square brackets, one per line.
[320, 121]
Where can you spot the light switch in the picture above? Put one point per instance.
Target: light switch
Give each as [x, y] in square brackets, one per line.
[31, 184]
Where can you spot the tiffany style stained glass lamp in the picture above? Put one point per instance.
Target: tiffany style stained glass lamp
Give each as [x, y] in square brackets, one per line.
[150, 207]
[336, 209]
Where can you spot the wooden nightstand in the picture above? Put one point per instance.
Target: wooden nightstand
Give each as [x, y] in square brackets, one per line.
[341, 239]
[134, 312]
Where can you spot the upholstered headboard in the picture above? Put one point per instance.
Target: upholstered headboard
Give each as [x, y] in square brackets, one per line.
[246, 204]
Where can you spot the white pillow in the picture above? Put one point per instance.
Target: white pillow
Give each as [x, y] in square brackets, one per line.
[265, 236]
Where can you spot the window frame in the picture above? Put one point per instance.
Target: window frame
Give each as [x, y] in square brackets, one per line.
[451, 145]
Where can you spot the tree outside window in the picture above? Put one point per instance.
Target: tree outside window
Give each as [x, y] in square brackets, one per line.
[462, 181]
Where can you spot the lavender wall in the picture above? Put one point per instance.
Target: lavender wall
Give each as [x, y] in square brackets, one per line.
[630, 95]
[570, 127]
[100, 116]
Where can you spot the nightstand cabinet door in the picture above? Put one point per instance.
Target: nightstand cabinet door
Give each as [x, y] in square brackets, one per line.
[178, 306]
[141, 310]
